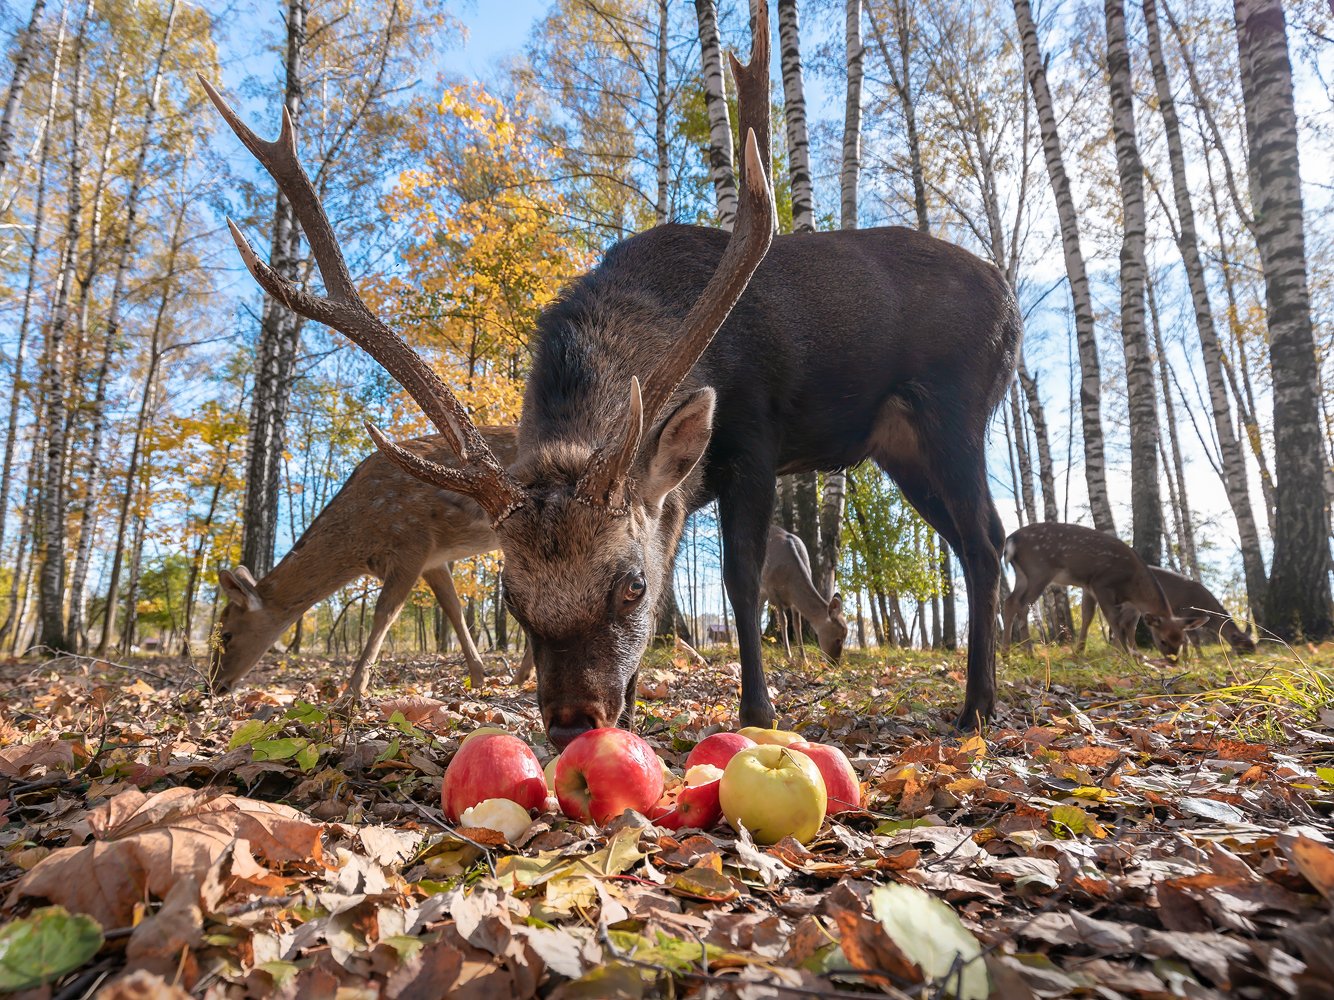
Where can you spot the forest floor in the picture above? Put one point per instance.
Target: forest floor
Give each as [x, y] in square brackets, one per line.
[1123, 829]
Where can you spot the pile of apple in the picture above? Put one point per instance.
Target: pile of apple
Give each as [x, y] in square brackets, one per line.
[770, 781]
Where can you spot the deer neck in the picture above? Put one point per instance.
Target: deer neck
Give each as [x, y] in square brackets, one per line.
[308, 573]
[808, 602]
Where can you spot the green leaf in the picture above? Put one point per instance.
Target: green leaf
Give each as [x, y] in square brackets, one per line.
[308, 757]
[1072, 819]
[284, 749]
[1325, 774]
[304, 711]
[929, 934]
[249, 732]
[45, 945]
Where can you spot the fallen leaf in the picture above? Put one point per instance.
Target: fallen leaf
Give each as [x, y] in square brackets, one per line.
[43, 946]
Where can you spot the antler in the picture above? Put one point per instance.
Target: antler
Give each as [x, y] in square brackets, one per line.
[481, 477]
[604, 480]
[751, 235]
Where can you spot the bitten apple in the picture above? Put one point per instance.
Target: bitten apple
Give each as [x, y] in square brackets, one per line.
[718, 749]
[774, 792]
[493, 766]
[696, 802]
[841, 786]
[772, 737]
[604, 772]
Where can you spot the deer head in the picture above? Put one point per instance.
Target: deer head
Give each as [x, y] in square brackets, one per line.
[588, 527]
[246, 629]
[833, 632]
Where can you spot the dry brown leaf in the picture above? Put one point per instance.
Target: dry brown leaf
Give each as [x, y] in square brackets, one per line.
[164, 943]
[19, 761]
[1315, 861]
[145, 844]
[141, 986]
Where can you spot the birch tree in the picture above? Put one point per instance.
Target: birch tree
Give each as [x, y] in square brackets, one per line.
[1145, 503]
[1090, 383]
[720, 125]
[1297, 602]
[26, 44]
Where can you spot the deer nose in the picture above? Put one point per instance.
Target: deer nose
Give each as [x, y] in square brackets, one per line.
[567, 723]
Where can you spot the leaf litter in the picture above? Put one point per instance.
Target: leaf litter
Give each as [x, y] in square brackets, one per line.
[1108, 835]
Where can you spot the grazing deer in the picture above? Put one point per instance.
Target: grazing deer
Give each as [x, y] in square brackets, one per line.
[1074, 556]
[383, 522]
[691, 365]
[1191, 598]
[785, 582]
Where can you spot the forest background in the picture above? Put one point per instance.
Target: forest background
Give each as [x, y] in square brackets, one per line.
[163, 421]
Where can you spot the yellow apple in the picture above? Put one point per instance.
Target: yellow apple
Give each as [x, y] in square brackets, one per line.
[773, 792]
[774, 737]
[550, 773]
[483, 731]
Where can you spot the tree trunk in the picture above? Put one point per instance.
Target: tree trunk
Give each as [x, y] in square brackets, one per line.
[279, 336]
[1229, 447]
[1145, 503]
[1022, 455]
[720, 125]
[26, 43]
[17, 387]
[662, 208]
[794, 114]
[51, 517]
[1090, 386]
[1186, 532]
[1297, 603]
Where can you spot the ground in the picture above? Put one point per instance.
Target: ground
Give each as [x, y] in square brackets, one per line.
[1124, 829]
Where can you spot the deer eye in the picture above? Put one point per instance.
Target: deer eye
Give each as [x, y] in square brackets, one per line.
[633, 591]
[226, 637]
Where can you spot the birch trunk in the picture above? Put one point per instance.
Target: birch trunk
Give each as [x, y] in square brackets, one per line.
[1145, 502]
[27, 43]
[720, 125]
[794, 114]
[51, 514]
[1181, 505]
[662, 208]
[280, 332]
[1297, 603]
[17, 387]
[1090, 385]
[1230, 451]
[1022, 455]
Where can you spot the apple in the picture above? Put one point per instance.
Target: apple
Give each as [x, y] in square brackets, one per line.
[775, 737]
[774, 792]
[492, 766]
[841, 786]
[549, 772]
[718, 749]
[697, 802]
[505, 817]
[603, 772]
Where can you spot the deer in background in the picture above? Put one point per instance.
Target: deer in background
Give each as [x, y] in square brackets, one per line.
[785, 582]
[692, 364]
[1074, 556]
[383, 522]
[1189, 598]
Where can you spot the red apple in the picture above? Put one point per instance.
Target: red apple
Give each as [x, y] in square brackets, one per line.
[604, 772]
[718, 749]
[697, 804]
[840, 780]
[494, 766]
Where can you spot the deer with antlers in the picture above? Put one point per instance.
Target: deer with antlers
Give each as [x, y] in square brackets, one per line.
[383, 522]
[689, 365]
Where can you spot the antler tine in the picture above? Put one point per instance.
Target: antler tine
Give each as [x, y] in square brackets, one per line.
[608, 468]
[755, 224]
[343, 310]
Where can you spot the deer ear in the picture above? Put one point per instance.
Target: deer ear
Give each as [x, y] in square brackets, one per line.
[679, 446]
[1194, 622]
[1153, 621]
[836, 605]
[240, 588]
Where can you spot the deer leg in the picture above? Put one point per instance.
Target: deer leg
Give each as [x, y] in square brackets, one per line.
[387, 606]
[780, 615]
[949, 490]
[442, 584]
[799, 627]
[526, 667]
[1086, 608]
[1016, 605]
[744, 506]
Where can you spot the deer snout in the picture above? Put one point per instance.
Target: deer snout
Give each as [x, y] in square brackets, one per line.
[565, 723]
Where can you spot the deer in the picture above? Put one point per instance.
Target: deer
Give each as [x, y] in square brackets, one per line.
[384, 522]
[691, 365]
[1072, 555]
[1189, 597]
[785, 582]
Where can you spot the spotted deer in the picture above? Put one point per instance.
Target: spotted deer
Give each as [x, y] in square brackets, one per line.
[383, 522]
[690, 365]
[1071, 555]
[785, 583]
[1190, 599]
